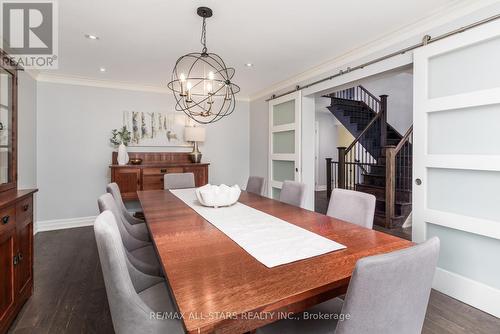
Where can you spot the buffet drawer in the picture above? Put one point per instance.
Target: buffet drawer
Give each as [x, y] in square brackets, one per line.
[24, 210]
[162, 170]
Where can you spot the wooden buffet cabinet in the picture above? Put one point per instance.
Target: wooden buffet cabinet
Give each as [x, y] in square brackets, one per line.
[16, 210]
[149, 174]
[16, 253]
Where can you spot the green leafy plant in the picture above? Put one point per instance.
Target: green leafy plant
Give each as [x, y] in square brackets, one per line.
[120, 137]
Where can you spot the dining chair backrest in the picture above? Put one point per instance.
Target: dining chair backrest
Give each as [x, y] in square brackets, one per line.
[179, 180]
[107, 202]
[129, 313]
[293, 193]
[352, 206]
[114, 190]
[389, 293]
[255, 185]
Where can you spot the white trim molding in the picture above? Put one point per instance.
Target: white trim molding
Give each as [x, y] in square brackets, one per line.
[61, 224]
[472, 292]
[68, 79]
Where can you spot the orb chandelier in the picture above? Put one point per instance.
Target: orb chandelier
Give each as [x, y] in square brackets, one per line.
[201, 82]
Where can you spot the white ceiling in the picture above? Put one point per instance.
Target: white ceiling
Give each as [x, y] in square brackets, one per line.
[141, 40]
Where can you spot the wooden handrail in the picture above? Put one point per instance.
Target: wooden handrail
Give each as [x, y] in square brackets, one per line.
[363, 132]
[404, 139]
[369, 94]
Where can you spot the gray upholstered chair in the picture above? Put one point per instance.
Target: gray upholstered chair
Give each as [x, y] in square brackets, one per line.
[179, 180]
[114, 190]
[293, 193]
[138, 231]
[140, 252]
[387, 294]
[132, 295]
[255, 185]
[352, 206]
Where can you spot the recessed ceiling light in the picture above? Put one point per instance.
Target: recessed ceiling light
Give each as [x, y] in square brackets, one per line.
[102, 69]
[89, 36]
[248, 64]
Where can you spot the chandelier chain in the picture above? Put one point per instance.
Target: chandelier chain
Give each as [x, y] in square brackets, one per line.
[203, 39]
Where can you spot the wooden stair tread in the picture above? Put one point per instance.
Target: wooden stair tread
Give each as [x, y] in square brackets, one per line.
[378, 187]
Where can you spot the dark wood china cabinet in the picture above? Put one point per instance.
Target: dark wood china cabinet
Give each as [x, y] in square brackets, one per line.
[16, 208]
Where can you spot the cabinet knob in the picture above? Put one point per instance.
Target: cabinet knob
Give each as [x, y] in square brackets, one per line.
[5, 219]
[163, 170]
[20, 256]
[15, 260]
[26, 207]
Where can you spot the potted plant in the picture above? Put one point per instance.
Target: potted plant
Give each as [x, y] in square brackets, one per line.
[121, 139]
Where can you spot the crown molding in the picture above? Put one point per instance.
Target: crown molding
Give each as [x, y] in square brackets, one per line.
[68, 79]
[441, 16]
[91, 82]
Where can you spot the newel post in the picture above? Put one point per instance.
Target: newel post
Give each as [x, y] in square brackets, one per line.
[341, 169]
[390, 184]
[328, 177]
[383, 120]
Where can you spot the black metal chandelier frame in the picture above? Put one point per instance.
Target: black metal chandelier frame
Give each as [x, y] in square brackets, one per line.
[201, 108]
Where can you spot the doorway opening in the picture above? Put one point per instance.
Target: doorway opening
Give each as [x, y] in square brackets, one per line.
[363, 142]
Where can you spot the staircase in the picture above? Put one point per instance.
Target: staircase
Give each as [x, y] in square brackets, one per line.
[379, 161]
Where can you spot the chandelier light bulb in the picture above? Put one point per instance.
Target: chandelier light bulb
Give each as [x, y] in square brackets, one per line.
[182, 78]
[189, 99]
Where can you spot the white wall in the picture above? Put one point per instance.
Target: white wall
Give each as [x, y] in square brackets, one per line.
[399, 87]
[26, 125]
[327, 133]
[73, 129]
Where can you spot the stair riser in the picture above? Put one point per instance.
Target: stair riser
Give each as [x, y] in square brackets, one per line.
[399, 209]
[395, 222]
[402, 196]
[373, 180]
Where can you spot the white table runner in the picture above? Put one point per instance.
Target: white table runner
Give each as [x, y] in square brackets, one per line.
[270, 240]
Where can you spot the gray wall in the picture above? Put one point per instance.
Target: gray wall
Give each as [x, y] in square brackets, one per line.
[73, 129]
[259, 142]
[26, 167]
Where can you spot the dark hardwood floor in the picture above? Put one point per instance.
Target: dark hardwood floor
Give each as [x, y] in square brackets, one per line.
[69, 294]
[70, 297]
[321, 206]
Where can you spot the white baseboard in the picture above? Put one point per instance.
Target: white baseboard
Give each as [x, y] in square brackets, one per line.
[60, 224]
[320, 187]
[476, 294]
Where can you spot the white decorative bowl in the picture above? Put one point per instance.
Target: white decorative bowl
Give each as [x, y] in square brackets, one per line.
[217, 196]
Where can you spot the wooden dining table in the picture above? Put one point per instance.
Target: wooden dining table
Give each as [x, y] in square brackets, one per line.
[219, 288]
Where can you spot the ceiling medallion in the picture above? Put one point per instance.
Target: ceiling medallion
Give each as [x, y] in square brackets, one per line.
[201, 82]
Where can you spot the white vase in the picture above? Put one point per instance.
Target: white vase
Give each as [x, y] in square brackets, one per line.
[122, 155]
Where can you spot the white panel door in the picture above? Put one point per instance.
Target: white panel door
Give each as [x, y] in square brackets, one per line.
[457, 161]
[284, 142]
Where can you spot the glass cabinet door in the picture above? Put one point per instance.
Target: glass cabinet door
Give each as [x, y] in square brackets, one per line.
[6, 126]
